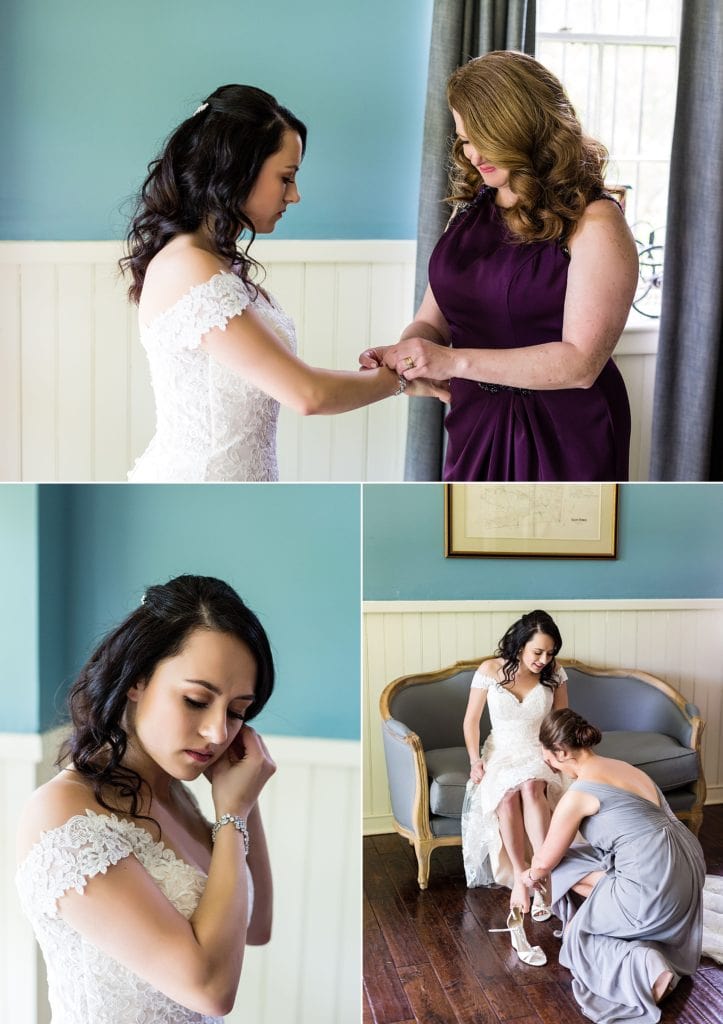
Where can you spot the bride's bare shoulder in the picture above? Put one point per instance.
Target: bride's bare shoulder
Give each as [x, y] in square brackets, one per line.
[492, 667]
[50, 806]
[178, 267]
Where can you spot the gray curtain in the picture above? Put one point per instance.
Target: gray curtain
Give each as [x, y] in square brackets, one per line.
[461, 29]
[688, 413]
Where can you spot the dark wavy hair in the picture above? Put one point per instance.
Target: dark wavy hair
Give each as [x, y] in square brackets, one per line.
[518, 115]
[204, 175]
[157, 629]
[518, 635]
[566, 730]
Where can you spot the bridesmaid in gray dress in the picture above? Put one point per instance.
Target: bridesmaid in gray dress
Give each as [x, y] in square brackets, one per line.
[630, 898]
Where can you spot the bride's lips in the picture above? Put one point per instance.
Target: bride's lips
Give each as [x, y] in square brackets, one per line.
[199, 755]
[486, 168]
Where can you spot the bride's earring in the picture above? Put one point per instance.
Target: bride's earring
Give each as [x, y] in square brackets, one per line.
[532, 955]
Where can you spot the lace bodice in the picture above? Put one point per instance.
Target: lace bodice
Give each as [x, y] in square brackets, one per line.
[211, 423]
[513, 720]
[85, 985]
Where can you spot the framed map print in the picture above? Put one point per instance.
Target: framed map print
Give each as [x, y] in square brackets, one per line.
[527, 520]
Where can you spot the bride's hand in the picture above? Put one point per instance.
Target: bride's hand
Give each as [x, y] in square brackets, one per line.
[424, 388]
[371, 358]
[240, 774]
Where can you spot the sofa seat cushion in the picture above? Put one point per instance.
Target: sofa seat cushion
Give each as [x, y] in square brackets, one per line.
[448, 769]
[666, 762]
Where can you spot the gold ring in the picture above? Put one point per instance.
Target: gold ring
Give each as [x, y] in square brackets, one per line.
[409, 363]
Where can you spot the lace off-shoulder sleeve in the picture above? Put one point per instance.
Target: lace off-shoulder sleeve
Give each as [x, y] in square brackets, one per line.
[481, 681]
[560, 675]
[66, 857]
[203, 308]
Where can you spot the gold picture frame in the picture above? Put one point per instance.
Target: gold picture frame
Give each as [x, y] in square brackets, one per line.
[530, 520]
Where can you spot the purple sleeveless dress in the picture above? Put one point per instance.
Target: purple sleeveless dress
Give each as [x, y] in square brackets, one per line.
[496, 294]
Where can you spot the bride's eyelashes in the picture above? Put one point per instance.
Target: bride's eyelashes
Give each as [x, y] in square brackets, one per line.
[238, 715]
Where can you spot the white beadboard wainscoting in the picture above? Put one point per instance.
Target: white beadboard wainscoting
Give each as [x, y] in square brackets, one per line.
[681, 641]
[75, 397]
[309, 973]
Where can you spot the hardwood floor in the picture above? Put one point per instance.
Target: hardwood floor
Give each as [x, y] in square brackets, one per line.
[429, 958]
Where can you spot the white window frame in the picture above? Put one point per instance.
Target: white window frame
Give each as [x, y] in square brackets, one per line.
[592, 117]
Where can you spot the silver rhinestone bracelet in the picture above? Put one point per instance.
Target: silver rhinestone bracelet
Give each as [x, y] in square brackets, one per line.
[238, 823]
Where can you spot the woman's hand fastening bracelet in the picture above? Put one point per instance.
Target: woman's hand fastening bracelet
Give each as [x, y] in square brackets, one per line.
[237, 822]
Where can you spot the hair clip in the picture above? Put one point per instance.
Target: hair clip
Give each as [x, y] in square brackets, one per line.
[199, 109]
[143, 599]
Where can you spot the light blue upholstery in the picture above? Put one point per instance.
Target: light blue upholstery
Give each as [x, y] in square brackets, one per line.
[425, 729]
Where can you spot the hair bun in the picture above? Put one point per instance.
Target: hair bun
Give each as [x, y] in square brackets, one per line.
[586, 735]
[565, 729]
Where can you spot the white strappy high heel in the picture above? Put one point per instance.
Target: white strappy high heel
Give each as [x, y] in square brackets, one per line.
[540, 911]
[528, 954]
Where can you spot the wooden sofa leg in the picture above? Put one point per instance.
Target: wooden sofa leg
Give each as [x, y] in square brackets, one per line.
[423, 850]
[695, 820]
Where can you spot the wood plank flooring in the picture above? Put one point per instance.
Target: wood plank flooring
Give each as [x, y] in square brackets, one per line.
[429, 958]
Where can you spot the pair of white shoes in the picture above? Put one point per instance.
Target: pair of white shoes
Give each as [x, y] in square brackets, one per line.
[532, 955]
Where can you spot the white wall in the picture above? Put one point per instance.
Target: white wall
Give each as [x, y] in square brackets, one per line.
[310, 970]
[681, 641]
[75, 399]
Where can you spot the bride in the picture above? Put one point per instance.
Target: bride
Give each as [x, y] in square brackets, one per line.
[143, 910]
[510, 789]
[221, 350]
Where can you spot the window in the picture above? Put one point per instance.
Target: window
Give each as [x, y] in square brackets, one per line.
[618, 62]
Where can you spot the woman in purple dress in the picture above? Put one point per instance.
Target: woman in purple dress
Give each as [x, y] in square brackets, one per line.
[530, 287]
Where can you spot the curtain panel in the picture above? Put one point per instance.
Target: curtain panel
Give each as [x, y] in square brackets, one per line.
[688, 412]
[461, 29]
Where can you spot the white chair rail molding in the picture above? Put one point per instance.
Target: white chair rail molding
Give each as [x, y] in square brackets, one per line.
[75, 395]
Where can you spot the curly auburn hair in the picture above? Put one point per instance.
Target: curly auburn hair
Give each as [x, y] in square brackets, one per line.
[520, 633]
[518, 115]
[204, 175]
[129, 654]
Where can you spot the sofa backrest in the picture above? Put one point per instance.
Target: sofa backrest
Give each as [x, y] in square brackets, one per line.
[626, 703]
[435, 710]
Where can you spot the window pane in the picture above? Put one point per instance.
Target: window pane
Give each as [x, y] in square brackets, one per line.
[610, 17]
[551, 16]
[656, 132]
[623, 93]
[663, 18]
[629, 88]
[653, 189]
[632, 18]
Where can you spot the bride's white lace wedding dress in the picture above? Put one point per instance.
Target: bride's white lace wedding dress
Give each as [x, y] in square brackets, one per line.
[211, 423]
[511, 754]
[85, 985]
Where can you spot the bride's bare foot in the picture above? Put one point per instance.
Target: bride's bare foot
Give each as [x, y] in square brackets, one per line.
[662, 985]
[520, 896]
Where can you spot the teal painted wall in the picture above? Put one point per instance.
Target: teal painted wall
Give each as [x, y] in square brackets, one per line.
[19, 607]
[90, 91]
[670, 544]
[291, 551]
[56, 598]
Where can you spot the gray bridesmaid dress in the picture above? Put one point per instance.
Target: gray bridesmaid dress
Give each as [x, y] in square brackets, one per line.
[643, 917]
